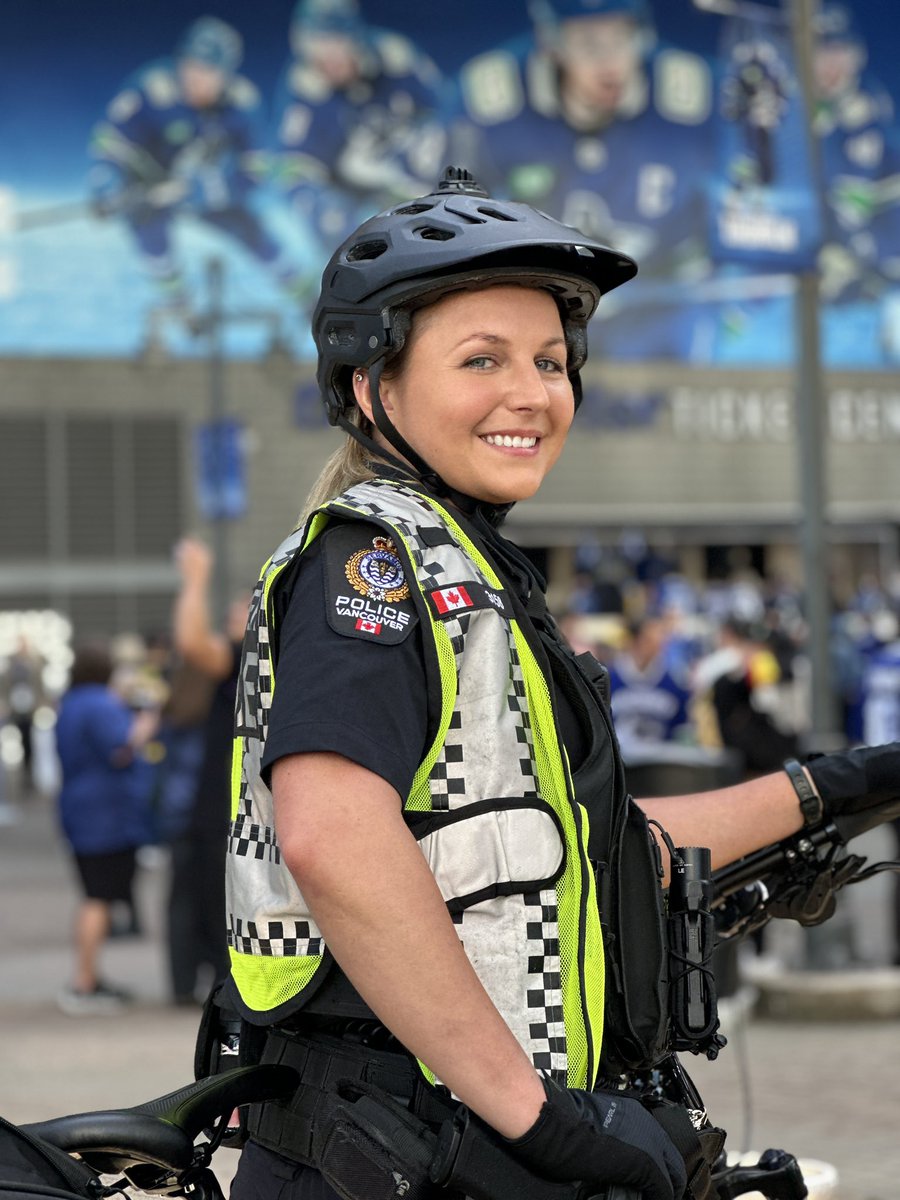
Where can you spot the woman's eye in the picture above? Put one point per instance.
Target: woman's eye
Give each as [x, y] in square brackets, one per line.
[550, 364]
[480, 361]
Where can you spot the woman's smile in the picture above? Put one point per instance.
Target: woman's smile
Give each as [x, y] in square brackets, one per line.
[514, 441]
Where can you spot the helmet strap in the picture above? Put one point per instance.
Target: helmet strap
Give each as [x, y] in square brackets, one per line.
[428, 476]
[368, 443]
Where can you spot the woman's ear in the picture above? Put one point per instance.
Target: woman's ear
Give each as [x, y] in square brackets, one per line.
[361, 392]
[363, 397]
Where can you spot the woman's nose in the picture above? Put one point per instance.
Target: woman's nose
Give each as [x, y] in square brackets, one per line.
[528, 388]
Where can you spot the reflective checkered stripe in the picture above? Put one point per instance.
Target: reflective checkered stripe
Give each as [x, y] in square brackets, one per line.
[555, 1006]
[274, 945]
[490, 806]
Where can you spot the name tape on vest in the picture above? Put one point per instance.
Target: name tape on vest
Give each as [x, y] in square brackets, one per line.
[448, 602]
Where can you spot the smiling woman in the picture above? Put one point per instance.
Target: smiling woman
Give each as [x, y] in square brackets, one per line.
[483, 394]
[412, 897]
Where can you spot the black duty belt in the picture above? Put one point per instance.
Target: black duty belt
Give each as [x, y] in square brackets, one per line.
[322, 1060]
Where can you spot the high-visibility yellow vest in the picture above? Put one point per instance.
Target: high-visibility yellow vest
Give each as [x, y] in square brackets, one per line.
[491, 804]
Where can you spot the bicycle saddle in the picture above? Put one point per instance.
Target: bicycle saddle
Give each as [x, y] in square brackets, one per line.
[161, 1132]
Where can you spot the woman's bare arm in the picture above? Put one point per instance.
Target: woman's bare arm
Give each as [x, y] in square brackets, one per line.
[382, 915]
[731, 821]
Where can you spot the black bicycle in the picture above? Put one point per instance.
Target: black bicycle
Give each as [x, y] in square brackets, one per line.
[165, 1146]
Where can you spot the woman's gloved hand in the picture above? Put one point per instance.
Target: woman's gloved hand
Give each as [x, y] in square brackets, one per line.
[859, 788]
[601, 1138]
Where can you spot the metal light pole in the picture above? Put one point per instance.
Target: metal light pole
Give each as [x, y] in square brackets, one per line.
[812, 422]
[811, 416]
[218, 450]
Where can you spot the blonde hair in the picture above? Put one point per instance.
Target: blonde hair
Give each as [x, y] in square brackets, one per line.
[349, 464]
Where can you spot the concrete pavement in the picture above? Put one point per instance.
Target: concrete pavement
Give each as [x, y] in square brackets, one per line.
[824, 1090]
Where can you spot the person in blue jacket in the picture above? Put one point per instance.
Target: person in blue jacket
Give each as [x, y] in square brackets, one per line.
[103, 811]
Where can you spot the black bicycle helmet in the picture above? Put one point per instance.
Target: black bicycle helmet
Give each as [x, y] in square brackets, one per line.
[456, 237]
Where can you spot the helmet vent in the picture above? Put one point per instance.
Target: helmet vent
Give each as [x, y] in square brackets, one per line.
[496, 213]
[430, 234]
[412, 210]
[365, 251]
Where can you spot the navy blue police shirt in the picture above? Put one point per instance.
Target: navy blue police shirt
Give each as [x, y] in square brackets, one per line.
[350, 669]
[348, 682]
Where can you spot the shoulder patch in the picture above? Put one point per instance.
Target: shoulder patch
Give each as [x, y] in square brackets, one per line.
[447, 602]
[367, 595]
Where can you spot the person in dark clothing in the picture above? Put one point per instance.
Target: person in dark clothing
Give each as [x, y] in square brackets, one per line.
[182, 736]
[744, 726]
[21, 692]
[197, 940]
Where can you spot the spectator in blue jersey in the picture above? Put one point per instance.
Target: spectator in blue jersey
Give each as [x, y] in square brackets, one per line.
[358, 123]
[881, 691]
[596, 123]
[104, 812]
[650, 699]
[183, 136]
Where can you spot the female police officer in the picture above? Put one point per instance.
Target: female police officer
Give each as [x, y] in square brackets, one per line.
[408, 868]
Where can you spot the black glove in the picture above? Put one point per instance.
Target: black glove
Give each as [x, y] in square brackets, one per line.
[859, 788]
[601, 1138]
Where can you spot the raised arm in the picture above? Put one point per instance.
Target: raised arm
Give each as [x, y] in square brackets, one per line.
[195, 638]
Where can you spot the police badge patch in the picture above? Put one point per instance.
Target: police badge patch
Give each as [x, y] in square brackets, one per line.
[368, 596]
[378, 573]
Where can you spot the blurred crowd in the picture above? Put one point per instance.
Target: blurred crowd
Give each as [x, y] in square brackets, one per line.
[722, 663]
[131, 736]
[712, 680]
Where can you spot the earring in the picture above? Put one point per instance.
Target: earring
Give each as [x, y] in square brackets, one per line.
[358, 377]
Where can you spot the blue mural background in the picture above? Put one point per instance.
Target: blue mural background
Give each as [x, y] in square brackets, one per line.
[74, 284]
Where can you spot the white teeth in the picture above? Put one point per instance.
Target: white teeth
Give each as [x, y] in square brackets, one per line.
[510, 442]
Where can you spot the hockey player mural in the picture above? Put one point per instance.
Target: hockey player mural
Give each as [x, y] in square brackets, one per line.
[601, 125]
[357, 119]
[185, 135]
[776, 208]
[665, 130]
[860, 161]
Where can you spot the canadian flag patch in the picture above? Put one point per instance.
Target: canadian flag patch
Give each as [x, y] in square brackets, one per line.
[368, 626]
[450, 599]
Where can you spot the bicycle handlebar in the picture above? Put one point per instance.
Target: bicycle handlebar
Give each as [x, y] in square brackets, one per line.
[797, 877]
